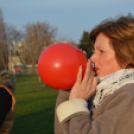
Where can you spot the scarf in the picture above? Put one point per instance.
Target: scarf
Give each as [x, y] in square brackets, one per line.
[109, 83]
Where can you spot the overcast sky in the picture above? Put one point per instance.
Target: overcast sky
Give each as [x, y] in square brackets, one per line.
[71, 17]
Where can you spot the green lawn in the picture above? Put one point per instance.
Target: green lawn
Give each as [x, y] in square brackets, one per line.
[35, 106]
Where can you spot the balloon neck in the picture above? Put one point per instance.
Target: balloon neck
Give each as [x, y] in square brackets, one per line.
[94, 69]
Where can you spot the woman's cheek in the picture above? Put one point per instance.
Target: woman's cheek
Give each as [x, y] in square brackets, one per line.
[104, 64]
[108, 65]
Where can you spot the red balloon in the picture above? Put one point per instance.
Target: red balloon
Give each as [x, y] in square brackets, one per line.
[58, 65]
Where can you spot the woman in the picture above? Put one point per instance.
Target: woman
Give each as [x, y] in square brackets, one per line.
[111, 93]
[7, 101]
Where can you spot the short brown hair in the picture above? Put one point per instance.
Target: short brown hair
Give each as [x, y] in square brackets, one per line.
[121, 34]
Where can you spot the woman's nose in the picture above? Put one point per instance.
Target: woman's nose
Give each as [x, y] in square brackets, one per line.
[93, 58]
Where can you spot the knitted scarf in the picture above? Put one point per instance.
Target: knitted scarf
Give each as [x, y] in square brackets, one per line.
[108, 84]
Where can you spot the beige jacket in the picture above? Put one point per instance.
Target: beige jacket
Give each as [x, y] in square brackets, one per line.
[115, 115]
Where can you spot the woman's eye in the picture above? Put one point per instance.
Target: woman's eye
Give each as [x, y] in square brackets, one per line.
[101, 51]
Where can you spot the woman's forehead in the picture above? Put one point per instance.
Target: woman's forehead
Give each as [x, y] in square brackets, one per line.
[102, 41]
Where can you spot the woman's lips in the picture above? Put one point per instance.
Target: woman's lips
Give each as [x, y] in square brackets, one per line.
[95, 69]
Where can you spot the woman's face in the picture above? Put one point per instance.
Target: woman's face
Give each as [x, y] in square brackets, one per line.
[104, 56]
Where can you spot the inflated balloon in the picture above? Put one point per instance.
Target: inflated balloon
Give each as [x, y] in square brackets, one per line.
[58, 65]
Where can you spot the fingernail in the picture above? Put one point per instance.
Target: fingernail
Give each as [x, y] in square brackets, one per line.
[93, 65]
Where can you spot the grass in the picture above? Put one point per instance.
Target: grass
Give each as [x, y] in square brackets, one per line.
[34, 107]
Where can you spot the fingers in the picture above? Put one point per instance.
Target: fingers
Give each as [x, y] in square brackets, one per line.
[85, 53]
[79, 75]
[95, 81]
[91, 71]
[85, 88]
[87, 74]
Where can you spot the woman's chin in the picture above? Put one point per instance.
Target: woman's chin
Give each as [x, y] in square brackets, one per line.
[99, 73]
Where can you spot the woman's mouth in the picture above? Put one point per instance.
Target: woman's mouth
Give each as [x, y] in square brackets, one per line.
[95, 69]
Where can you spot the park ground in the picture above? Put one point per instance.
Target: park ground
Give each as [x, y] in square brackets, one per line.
[35, 106]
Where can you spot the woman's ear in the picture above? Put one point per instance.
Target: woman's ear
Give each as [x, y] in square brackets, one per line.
[126, 65]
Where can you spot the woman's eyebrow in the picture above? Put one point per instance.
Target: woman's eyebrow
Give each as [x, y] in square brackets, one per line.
[99, 47]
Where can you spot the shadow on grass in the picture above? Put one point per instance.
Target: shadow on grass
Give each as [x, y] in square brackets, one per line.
[41, 122]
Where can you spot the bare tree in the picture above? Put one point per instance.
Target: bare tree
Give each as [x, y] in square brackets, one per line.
[13, 36]
[36, 38]
[3, 44]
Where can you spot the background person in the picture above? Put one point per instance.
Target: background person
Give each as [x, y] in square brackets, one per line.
[7, 101]
[113, 103]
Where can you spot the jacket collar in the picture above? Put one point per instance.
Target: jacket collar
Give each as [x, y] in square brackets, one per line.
[108, 84]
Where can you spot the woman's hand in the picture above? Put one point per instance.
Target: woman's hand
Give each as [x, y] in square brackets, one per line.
[85, 88]
[85, 54]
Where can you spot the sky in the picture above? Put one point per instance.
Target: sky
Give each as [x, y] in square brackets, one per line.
[70, 17]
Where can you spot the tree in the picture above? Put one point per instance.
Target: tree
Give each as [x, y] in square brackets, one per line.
[86, 44]
[13, 36]
[36, 38]
[73, 43]
[3, 44]
[8, 35]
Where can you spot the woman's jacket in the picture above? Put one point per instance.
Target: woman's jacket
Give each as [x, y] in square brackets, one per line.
[114, 114]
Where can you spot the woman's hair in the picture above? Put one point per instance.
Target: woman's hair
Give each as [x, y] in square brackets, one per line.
[121, 34]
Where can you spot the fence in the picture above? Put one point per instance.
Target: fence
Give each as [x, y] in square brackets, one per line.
[25, 69]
